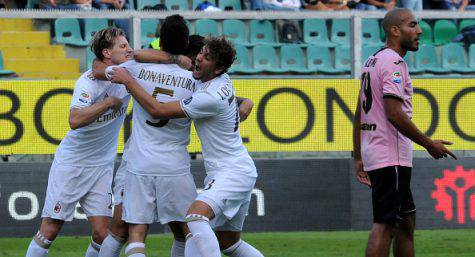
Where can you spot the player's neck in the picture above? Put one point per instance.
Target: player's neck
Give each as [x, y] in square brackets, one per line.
[208, 78]
[396, 48]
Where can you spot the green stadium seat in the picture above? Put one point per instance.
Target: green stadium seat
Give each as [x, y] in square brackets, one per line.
[197, 2]
[340, 31]
[265, 59]
[235, 31]
[92, 26]
[409, 58]
[67, 31]
[370, 33]
[426, 37]
[206, 27]
[175, 5]
[319, 60]
[4, 72]
[148, 29]
[242, 63]
[316, 33]
[444, 31]
[465, 23]
[426, 59]
[367, 51]
[230, 5]
[343, 58]
[454, 58]
[32, 4]
[142, 3]
[262, 32]
[292, 59]
[471, 56]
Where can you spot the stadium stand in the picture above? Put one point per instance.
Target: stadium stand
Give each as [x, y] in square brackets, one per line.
[68, 32]
[4, 72]
[29, 53]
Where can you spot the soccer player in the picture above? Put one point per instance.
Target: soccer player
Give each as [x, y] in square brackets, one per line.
[83, 166]
[118, 233]
[231, 173]
[383, 136]
[158, 182]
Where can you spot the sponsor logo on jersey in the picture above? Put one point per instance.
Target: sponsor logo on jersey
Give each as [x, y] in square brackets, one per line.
[187, 100]
[397, 77]
[57, 207]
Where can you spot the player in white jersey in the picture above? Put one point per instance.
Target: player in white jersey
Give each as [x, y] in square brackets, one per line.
[231, 173]
[82, 169]
[118, 232]
[158, 182]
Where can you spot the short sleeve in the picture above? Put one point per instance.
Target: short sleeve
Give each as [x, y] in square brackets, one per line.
[82, 95]
[200, 105]
[393, 78]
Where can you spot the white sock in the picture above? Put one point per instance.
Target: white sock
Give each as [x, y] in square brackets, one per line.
[191, 250]
[111, 246]
[38, 246]
[135, 249]
[93, 249]
[242, 249]
[204, 238]
[178, 249]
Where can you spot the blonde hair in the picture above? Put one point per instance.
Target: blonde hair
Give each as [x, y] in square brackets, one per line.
[104, 38]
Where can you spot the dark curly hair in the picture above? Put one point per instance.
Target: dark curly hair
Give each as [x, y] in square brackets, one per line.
[222, 52]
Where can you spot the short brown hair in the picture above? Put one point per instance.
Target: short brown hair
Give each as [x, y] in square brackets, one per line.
[222, 52]
[104, 38]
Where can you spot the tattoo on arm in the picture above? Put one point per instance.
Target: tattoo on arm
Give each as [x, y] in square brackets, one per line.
[174, 58]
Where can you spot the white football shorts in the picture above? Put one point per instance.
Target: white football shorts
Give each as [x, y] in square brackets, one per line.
[68, 185]
[157, 198]
[229, 195]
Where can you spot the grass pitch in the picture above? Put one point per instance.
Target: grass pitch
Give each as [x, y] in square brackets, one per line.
[429, 243]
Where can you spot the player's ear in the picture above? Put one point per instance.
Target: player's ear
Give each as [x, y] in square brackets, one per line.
[106, 52]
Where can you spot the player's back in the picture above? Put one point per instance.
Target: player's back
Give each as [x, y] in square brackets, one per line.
[385, 74]
[96, 143]
[158, 147]
[215, 112]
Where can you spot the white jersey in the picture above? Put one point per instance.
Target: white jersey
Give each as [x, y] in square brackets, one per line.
[159, 147]
[215, 112]
[96, 143]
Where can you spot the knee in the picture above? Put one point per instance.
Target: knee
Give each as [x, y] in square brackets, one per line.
[98, 235]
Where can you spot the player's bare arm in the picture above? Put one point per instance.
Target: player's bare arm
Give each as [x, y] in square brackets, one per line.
[99, 69]
[404, 125]
[245, 107]
[156, 109]
[157, 56]
[80, 117]
[361, 175]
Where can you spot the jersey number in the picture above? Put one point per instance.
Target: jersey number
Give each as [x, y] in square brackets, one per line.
[366, 84]
[156, 91]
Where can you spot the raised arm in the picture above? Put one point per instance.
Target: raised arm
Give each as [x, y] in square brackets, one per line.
[156, 109]
[157, 56]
